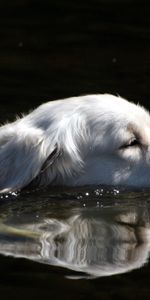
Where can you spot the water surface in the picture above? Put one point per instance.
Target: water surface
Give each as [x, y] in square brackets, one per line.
[99, 236]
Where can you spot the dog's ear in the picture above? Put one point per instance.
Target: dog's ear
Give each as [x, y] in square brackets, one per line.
[23, 156]
[50, 159]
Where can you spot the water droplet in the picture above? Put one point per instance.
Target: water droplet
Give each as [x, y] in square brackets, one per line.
[97, 192]
[97, 204]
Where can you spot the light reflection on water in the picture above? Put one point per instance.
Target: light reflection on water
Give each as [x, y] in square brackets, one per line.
[98, 232]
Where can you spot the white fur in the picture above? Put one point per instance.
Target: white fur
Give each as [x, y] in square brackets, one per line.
[77, 141]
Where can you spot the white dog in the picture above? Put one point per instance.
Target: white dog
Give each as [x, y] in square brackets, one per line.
[88, 140]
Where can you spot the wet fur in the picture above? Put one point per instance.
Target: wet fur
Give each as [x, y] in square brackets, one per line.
[77, 141]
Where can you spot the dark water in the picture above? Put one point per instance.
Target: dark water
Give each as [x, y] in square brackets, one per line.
[89, 243]
[74, 243]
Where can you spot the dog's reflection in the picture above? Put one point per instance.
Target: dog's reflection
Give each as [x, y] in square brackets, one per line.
[98, 242]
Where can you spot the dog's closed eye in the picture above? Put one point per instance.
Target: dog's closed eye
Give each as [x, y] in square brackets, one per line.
[134, 142]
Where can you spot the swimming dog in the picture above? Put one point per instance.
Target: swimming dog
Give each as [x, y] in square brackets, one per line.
[85, 140]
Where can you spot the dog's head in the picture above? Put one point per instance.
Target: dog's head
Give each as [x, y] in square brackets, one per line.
[97, 139]
[119, 147]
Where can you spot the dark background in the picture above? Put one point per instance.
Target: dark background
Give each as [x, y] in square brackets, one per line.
[59, 48]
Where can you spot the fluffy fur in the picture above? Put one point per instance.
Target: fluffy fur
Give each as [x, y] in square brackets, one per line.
[95, 139]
